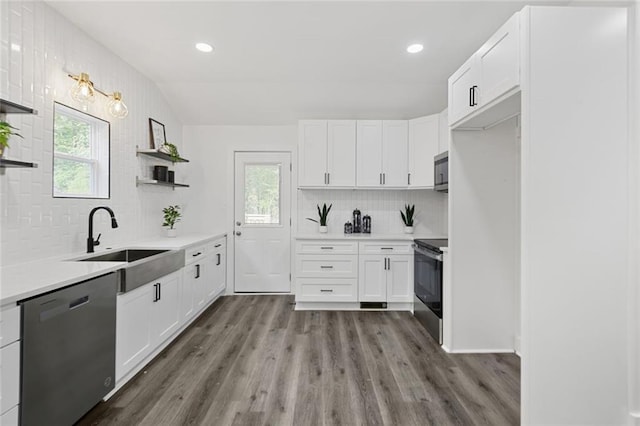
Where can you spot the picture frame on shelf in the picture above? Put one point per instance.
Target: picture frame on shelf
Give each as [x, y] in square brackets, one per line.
[158, 136]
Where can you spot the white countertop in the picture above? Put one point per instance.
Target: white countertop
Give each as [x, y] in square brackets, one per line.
[26, 280]
[364, 237]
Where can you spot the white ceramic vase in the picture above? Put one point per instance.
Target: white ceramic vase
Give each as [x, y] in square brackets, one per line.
[408, 229]
[172, 233]
[322, 229]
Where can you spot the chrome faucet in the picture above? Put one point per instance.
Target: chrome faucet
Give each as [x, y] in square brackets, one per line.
[114, 224]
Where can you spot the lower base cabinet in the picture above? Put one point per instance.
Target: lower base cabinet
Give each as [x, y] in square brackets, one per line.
[385, 278]
[146, 317]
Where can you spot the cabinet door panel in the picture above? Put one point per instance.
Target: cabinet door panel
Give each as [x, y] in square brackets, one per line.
[133, 328]
[369, 153]
[499, 61]
[341, 151]
[312, 155]
[220, 275]
[372, 279]
[211, 280]
[460, 84]
[188, 292]
[395, 156]
[10, 376]
[423, 146]
[400, 279]
[167, 308]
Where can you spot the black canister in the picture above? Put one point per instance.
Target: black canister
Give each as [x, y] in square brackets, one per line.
[366, 224]
[160, 173]
[348, 228]
[357, 221]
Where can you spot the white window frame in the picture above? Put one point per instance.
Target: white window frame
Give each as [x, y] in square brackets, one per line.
[99, 160]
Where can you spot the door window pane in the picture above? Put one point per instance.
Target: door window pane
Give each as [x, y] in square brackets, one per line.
[262, 194]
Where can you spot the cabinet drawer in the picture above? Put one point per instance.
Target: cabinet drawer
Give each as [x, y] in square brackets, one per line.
[326, 247]
[327, 290]
[10, 376]
[9, 325]
[319, 266]
[391, 247]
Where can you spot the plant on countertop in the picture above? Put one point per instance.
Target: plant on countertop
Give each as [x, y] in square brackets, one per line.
[407, 215]
[6, 131]
[171, 216]
[322, 214]
[172, 150]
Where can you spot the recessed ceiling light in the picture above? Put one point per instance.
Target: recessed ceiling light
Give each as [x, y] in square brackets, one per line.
[415, 48]
[204, 47]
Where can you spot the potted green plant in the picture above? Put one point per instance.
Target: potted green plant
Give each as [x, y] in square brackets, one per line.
[171, 216]
[323, 214]
[172, 150]
[6, 131]
[407, 217]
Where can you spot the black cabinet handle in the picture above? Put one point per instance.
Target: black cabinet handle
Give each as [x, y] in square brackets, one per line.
[197, 271]
[328, 178]
[473, 97]
[470, 96]
[159, 291]
[217, 245]
[322, 290]
[197, 254]
[408, 178]
[218, 254]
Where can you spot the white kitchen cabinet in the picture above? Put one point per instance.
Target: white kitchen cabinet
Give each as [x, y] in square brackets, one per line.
[327, 153]
[219, 259]
[326, 271]
[489, 73]
[146, 317]
[385, 272]
[190, 283]
[423, 146]
[382, 148]
[445, 133]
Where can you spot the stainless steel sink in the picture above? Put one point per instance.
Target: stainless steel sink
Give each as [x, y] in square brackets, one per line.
[129, 255]
[143, 265]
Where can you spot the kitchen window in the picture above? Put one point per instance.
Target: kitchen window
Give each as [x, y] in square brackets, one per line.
[80, 154]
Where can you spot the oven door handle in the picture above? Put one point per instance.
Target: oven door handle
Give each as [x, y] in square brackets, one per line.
[429, 254]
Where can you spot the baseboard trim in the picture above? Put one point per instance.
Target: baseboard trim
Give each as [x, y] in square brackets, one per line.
[350, 306]
[482, 351]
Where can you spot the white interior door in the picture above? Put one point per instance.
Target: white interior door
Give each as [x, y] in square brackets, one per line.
[262, 222]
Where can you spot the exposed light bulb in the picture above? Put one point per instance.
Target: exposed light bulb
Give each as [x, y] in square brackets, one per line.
[116, 106]
[83, 91]
[204, 47]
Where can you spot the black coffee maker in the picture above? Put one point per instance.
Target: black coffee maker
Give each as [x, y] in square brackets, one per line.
[357, 221]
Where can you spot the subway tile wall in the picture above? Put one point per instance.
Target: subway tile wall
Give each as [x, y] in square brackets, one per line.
[38, 48]
[382, 205]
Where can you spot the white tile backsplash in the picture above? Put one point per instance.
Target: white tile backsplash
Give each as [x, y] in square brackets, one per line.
[33, 224]
[382, 205]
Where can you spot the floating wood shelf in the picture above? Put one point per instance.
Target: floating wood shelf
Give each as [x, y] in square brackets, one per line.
[159, 183]
[8, 107]
[161, 155]
[6, 163]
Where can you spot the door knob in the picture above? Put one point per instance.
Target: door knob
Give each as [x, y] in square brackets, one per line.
[238, 233]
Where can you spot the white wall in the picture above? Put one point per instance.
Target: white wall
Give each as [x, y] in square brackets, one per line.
[574, 218]
[40, 46]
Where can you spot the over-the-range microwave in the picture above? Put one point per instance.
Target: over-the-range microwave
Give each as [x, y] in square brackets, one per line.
[441, 172]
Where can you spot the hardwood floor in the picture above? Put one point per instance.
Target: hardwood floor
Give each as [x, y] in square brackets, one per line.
[252, 360]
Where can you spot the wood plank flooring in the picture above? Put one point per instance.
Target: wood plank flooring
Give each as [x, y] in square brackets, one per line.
[252, 360]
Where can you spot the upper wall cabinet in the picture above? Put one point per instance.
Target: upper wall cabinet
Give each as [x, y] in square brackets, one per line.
[489, 74]
[423, 146]
[327, 153]
[382, 148]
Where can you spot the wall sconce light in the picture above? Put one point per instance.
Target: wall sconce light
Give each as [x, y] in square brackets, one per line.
[84, 92]
[116, 107]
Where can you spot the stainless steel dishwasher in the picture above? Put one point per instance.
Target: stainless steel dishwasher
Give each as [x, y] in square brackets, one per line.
[68, 351]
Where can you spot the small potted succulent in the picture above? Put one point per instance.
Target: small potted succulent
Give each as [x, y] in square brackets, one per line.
[171, 216]
[407, 217]
[323, 214]
[172, 150]
[6, 131]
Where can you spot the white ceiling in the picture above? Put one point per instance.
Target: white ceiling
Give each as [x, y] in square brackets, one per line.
[277, 62]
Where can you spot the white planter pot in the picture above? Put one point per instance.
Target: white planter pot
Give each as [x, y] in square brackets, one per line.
[172, 233]
[322, 229]
[408, 229]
